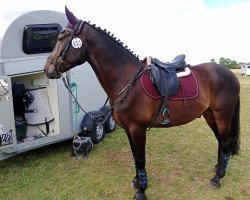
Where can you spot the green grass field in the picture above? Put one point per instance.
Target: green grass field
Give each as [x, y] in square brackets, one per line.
[180, 161]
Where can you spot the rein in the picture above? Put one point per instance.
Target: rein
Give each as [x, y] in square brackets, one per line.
[91, 116]
[59, 68]
[126, 89]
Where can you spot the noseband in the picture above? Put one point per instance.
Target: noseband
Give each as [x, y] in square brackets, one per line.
[73, 32]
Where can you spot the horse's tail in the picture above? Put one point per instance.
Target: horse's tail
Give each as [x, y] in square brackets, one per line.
[235, 130]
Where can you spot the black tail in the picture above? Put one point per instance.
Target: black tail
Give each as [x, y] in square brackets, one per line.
[235, 130]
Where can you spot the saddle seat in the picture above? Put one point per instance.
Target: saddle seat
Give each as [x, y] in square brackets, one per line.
[178, 63]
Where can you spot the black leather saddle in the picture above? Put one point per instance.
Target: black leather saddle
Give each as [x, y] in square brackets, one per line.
[178, 63]
[164, 75]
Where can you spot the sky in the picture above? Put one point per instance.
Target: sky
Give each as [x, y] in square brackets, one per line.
[200, 29]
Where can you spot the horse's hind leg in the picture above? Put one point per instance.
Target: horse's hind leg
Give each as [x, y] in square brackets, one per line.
[223, 122]
[209, 117]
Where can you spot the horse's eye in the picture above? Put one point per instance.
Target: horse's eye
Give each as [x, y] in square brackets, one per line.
[61, 35]
[61, 32]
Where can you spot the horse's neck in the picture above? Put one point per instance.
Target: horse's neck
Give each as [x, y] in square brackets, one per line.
[113, 65]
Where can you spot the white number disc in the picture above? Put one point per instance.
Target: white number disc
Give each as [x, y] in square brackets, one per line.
[76, 43]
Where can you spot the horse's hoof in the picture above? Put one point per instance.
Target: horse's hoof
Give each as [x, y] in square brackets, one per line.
[140, 196]
[215, 185]
[135, 184]
[215, 182]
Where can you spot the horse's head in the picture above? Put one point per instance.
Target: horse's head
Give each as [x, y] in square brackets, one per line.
[69, 50]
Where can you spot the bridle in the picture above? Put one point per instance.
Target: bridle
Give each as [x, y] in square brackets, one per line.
[59, 68]
[73, 32]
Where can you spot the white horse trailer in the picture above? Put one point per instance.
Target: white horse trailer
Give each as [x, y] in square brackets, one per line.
[36, 111]
[245, 70]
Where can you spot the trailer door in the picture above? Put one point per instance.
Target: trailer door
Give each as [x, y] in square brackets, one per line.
[7, 122]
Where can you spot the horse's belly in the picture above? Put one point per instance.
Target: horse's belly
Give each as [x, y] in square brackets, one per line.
[180, 113]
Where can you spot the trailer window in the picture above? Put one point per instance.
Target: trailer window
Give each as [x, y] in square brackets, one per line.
[40, 38]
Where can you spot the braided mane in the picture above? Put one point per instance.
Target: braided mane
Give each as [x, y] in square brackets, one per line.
[117, 41]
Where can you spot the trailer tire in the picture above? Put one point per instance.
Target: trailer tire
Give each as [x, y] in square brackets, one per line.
[98, 133]
[110, 124]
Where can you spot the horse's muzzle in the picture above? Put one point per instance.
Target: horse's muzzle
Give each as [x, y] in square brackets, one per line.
[51, 72]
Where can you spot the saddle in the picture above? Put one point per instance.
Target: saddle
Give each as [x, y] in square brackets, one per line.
[164, 75]
[178, 63]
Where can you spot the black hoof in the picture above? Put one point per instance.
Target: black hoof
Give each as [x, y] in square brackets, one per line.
[215, 185]
[215, 182]
[135, 184]
[140, 196]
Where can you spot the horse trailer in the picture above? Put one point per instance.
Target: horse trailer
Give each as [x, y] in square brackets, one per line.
[36, 111]
[245, 70]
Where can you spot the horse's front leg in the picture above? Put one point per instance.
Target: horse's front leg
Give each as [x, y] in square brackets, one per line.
[137, 139]
[135, 181]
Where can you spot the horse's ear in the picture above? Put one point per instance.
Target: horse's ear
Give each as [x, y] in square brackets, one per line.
[70, 16]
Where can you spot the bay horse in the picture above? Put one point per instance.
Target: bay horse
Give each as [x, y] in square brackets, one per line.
[117, 69]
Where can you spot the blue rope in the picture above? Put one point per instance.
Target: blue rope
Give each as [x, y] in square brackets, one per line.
[73, 87]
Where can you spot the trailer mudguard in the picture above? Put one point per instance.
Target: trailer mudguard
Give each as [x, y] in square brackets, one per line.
[89, 119]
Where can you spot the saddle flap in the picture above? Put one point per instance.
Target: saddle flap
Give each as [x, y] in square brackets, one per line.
[166, 81]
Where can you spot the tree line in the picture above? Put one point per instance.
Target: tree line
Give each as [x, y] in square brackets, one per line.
[226, 62]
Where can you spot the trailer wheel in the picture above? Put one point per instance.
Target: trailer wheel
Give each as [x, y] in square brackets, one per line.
[98, 133]
[110, 124]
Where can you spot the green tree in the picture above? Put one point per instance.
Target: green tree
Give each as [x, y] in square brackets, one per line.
[226, 62]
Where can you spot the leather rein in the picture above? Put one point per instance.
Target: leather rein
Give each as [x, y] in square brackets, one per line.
[59, 68]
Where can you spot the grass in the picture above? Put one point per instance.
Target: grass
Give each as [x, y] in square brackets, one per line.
[179, 164]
